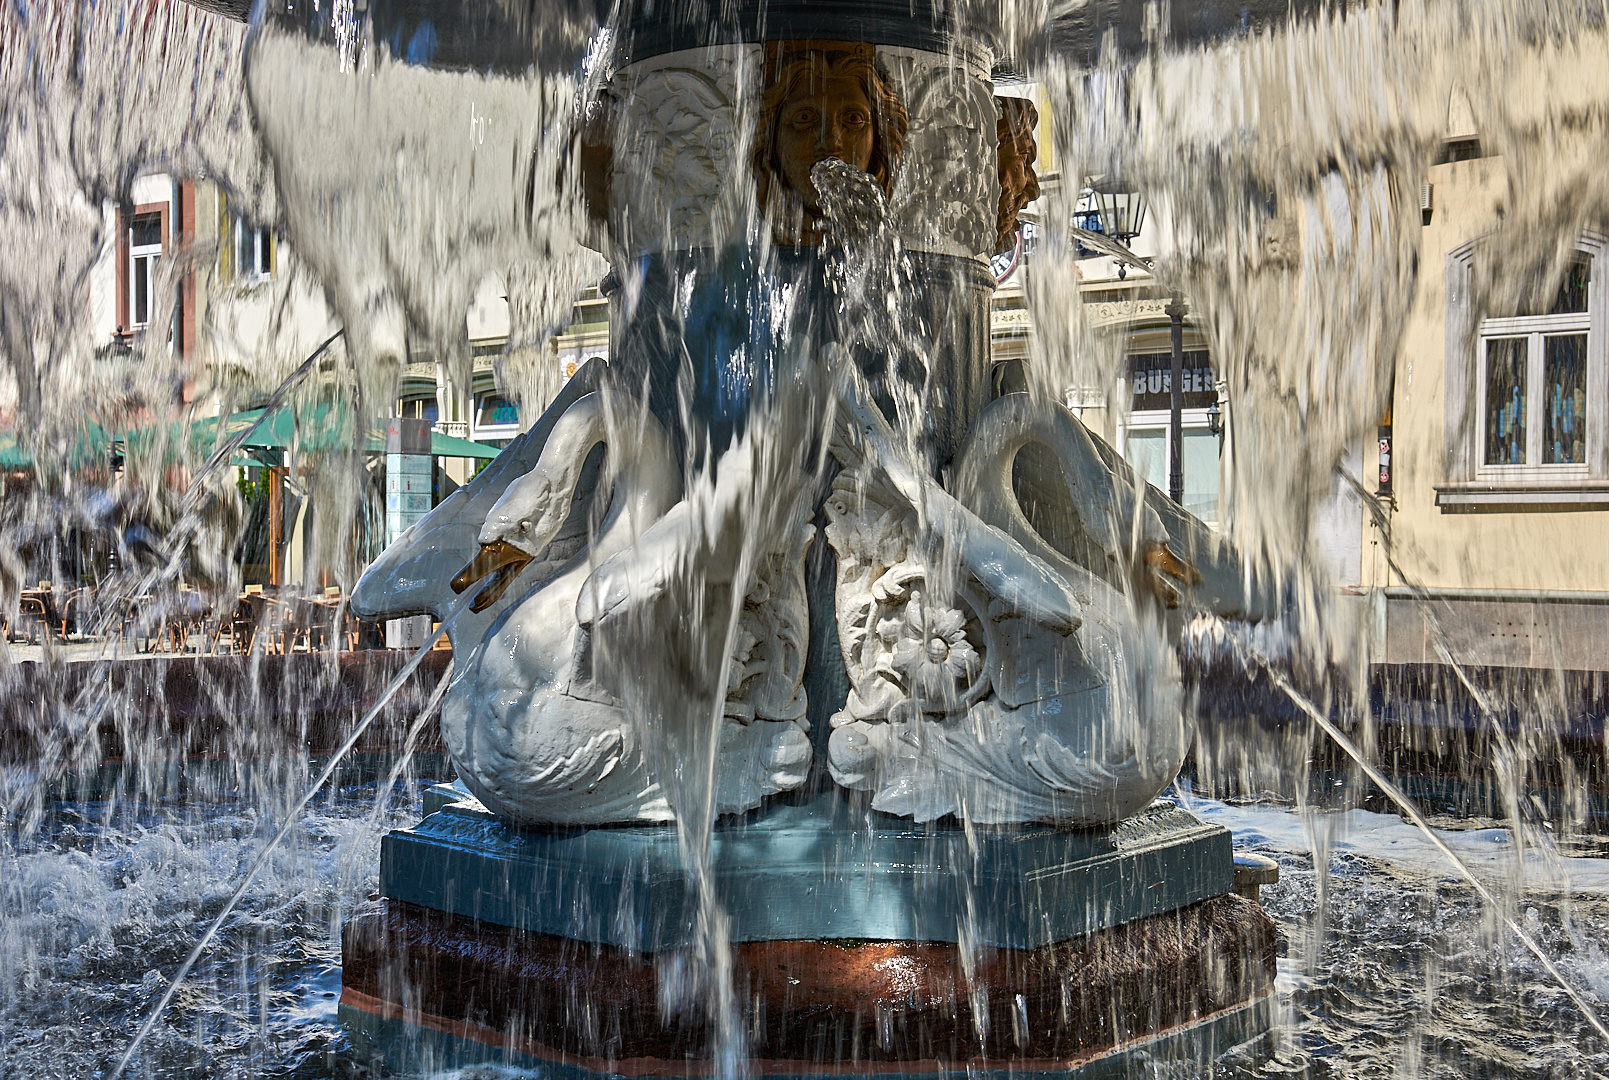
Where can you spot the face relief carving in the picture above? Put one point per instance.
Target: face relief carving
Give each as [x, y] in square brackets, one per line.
[834, 120]
[1019, 184]
[822, 100]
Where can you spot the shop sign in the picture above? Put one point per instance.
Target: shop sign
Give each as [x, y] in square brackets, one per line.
[1151, 380]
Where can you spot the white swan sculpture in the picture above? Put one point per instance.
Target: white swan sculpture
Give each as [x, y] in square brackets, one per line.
[997, 672]
[993, 676]
[532, 734]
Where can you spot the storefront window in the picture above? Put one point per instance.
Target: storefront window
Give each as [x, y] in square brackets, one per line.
[1145, 439]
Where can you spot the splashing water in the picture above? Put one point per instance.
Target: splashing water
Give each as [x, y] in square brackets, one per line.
[1284, 168]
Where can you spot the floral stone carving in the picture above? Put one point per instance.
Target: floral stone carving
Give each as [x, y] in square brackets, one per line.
[984, 681]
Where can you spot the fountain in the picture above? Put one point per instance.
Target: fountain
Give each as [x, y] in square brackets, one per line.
[816, 680]
[786, 739]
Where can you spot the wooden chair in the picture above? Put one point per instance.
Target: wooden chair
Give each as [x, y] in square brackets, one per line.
[304, 623]
[362, 633]
[77, 612]
[33, 615]
[242, 624]
[265, 616]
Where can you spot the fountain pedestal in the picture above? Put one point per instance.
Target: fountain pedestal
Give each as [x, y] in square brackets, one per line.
[799, 201]
[862, 943]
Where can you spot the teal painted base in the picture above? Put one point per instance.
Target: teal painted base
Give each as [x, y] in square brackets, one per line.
[810, 871]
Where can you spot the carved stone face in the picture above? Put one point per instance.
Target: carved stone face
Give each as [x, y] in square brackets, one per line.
[822, 99]
[830, 117]
[1019, 184]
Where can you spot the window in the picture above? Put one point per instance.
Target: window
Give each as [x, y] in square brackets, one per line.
[1533, 381]
[254, 251]
[421, 409]
[1145, 437]
[246, 252]
[494, 411]
[1527, 394]
[145, 249]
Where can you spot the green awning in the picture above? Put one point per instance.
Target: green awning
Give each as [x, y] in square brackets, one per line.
[451, 446]
[12, 455]
[318, 428]
[277, 431]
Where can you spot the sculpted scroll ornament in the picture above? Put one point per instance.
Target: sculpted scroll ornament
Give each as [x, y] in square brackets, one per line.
[765, 679]
[677, 152]
[921, 128]
[946, 195]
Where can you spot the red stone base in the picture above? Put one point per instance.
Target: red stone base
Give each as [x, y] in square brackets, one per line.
[812, 1006]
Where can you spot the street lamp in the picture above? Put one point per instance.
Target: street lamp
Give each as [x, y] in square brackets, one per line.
[1122, 210]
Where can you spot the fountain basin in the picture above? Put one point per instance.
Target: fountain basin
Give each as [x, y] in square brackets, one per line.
[424, 991]
[812, 870]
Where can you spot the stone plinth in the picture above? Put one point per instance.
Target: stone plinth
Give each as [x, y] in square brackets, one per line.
[861, 944]
[813, 870]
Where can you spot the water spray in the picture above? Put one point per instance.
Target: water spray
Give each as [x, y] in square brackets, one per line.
[1411, 812]
[290, 821]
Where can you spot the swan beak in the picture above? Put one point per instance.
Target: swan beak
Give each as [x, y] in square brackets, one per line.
[1167, 574]
[500, 559]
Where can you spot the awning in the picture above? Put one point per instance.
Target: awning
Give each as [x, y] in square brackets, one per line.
[452, 446]
[278, 431]
[12, 455]
[318, 428]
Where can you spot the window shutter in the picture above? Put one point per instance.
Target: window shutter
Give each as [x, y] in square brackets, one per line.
[226, 240]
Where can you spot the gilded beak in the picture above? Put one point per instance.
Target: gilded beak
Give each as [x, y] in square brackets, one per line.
[1168, 575]
[500, 559]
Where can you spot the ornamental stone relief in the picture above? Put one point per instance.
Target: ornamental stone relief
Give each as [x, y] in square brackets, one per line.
[677, 147]
[943, 201]
[666, 138]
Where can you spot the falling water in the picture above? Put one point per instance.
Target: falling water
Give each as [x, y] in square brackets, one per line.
[1283, 169]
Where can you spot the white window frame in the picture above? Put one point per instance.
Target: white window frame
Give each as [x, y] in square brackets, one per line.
[1534, 331]
[262, 251]
[478, 431]
[1470, 483]
[151, 255]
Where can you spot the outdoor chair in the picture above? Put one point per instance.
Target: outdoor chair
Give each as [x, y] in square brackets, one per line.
[242, 625]
[307, 624]
[77, 612]
[36, 612]
[32, 617]
[270, 617]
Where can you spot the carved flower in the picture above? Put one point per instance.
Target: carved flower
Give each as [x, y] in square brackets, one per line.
[932, 651]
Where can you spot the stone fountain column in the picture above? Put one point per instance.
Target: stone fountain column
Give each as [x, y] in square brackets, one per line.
[722, 277]
[713, 286]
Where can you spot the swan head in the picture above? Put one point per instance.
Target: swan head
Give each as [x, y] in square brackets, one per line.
[517, 528]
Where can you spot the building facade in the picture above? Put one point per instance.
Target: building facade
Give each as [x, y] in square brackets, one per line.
[1491, 536]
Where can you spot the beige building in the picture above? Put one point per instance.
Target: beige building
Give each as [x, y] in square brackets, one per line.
[1498, 505]
[1482, 532]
